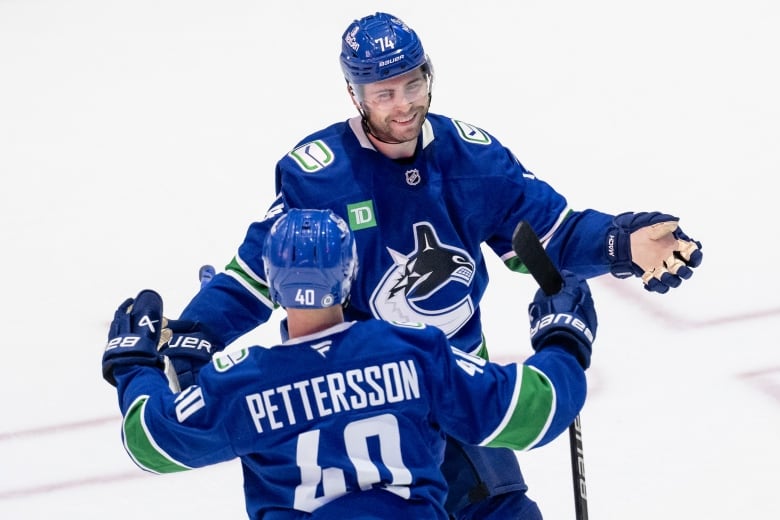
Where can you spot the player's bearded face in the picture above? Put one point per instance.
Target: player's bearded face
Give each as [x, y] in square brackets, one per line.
[395, 109]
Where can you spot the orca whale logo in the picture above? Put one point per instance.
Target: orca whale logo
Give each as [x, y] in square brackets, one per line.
[422, 285]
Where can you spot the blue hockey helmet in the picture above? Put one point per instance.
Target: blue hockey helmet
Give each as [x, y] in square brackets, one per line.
[310, 259]
[379, 47]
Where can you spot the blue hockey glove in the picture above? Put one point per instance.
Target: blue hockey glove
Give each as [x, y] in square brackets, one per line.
[134, 334]
[188, 349]
[566, 319]
[651, 245]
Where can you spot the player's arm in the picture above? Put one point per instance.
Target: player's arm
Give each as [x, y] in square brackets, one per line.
[163, 432]
[563, 328]
[648, 245]
[552, 386]
[524, 406]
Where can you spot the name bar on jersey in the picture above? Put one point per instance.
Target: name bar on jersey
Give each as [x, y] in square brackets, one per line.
[332, 393]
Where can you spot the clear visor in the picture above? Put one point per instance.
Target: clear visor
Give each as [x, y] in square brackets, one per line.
[408, 88]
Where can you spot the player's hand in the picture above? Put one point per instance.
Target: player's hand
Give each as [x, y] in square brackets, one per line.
[134, 334]
[566, 319]
[652, 246]
[188, 349]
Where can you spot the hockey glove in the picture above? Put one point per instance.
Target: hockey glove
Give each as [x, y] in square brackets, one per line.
[134, 334]
[650, 245]
[188, 349]
[566, 319]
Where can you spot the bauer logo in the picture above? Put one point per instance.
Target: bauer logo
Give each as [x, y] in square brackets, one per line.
[312, 156]
[361, 215]
[562, 318]
[471, 133]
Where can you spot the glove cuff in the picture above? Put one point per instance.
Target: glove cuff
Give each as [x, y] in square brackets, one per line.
[564, 330]
[617, 246]
[145, 354]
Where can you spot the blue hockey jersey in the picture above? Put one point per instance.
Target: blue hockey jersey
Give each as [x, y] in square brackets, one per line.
[419, 225]
[363, 406]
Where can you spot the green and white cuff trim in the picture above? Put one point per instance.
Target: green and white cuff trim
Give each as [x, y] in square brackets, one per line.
[140, 444]
[530, 414]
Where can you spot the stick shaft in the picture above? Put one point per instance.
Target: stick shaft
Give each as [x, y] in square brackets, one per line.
[530, 251]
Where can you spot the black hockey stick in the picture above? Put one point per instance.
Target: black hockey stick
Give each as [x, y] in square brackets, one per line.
[530, 251]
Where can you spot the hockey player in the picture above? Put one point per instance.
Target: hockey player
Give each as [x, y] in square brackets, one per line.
[344, 419]
[422, 192]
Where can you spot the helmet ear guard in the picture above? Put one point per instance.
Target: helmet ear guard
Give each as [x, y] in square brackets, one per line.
[310, 259]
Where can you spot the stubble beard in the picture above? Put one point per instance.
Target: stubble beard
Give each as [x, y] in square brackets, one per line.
[387, 131]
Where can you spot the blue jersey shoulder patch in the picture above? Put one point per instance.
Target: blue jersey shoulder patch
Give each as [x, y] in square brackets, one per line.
[471, 133]
[224, 361]
[313, 156]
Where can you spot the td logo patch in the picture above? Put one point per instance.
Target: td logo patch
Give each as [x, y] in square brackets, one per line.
[361, 215]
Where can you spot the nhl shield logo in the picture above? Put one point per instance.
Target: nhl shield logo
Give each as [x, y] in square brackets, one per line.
[413, 177]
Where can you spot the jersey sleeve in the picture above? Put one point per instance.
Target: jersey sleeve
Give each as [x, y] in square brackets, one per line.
[579, 243]
[515, 194]
[575, 240]
[551, 376]
[517, 406]
[164, 432]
